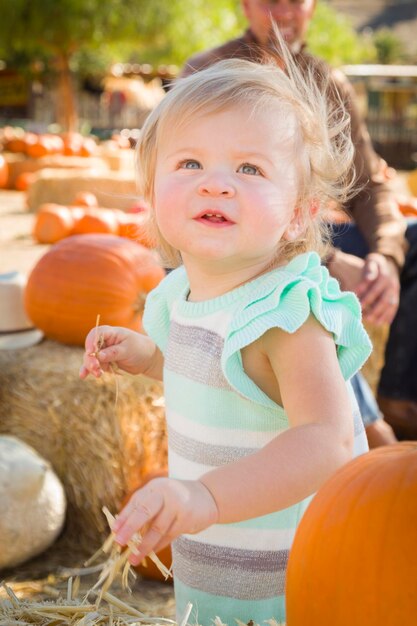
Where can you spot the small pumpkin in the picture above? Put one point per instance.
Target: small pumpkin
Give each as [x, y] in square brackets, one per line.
[40, 148]
[354, 556]
[407, 206]
[72, 143]
[4, 172]
[97, 220]
[52, 223]
[24, 180]
[86, 275]
[133, 226]
[86, 199]
[88, 147]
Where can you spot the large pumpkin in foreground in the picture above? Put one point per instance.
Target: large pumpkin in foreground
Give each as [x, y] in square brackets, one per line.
[354, 557]
[88, 275]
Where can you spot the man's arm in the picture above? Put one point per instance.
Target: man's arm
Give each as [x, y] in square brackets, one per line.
[373, 208]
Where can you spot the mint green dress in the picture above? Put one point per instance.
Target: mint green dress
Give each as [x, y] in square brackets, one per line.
[216, 414]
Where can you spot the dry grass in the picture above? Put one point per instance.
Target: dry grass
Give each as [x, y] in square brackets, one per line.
[96, 606]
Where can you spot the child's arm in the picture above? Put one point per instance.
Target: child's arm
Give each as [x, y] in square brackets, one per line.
[130, 351]
[320, 440]
[287, 470]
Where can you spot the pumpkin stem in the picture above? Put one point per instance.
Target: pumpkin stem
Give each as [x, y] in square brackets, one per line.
[139, 304]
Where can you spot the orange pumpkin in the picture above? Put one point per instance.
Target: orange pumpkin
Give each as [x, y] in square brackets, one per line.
[20, 142]
[133, 226]
[407, 206]
[85, 198]
[354, 556]
[52, 223]
[40, 148]
[86, 275]
[97, 221]
[147, 568]
[72, 143]
[24, 180]
[88, 147]
[4, 172]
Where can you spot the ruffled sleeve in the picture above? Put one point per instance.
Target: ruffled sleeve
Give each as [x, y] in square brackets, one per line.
[285, 299]
[158, 305]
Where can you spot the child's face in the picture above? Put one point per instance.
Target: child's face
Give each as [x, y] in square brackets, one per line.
[226, 187]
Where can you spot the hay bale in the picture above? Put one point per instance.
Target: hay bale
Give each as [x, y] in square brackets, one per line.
[99, 448]
[20, 164]
[112, 189]
[118, 160]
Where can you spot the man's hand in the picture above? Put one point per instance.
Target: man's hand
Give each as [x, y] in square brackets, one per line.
[375, 281]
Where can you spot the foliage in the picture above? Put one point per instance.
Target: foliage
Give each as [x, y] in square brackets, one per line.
[191, 27]
[332, 37]
[389, 48]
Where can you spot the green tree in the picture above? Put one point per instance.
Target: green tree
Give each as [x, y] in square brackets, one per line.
[64, 34]
[332, 37]
[58, 31]
[389, 48]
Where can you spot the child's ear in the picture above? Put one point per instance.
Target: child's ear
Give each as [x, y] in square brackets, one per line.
[296, 226]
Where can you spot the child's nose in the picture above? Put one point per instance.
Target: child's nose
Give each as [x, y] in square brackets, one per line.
[214, 186]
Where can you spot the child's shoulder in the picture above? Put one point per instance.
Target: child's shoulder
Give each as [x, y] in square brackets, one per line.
[287, 296]
[301, 273]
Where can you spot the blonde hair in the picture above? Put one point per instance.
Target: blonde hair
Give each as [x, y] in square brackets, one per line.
[324, 150]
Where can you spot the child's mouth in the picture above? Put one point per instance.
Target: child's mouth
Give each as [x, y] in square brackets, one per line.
[214, 217]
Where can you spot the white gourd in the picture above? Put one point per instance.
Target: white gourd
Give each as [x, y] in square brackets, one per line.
[32, 509]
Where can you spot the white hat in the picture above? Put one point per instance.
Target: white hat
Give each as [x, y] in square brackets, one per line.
[16, 330]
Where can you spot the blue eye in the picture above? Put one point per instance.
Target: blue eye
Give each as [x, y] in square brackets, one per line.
[189, 164]
[247, 168]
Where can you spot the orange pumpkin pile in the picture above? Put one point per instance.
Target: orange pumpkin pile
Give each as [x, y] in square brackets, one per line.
[354, 556]
[37, 145]
[54, 222]
[88, 275]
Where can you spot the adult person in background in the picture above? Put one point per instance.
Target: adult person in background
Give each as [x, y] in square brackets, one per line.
[369, 254]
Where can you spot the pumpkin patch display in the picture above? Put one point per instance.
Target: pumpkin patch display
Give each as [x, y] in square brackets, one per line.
[84, 276]
[354, 556]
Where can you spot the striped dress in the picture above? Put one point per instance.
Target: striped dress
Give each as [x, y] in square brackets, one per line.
[216, 414]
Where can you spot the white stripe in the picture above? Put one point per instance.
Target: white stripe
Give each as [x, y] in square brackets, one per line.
[217, 322]
[226, 436]
[182, 469]
[245, 538]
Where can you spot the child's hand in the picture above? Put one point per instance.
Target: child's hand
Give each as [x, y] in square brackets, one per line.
[162, 510]
[108, 346]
